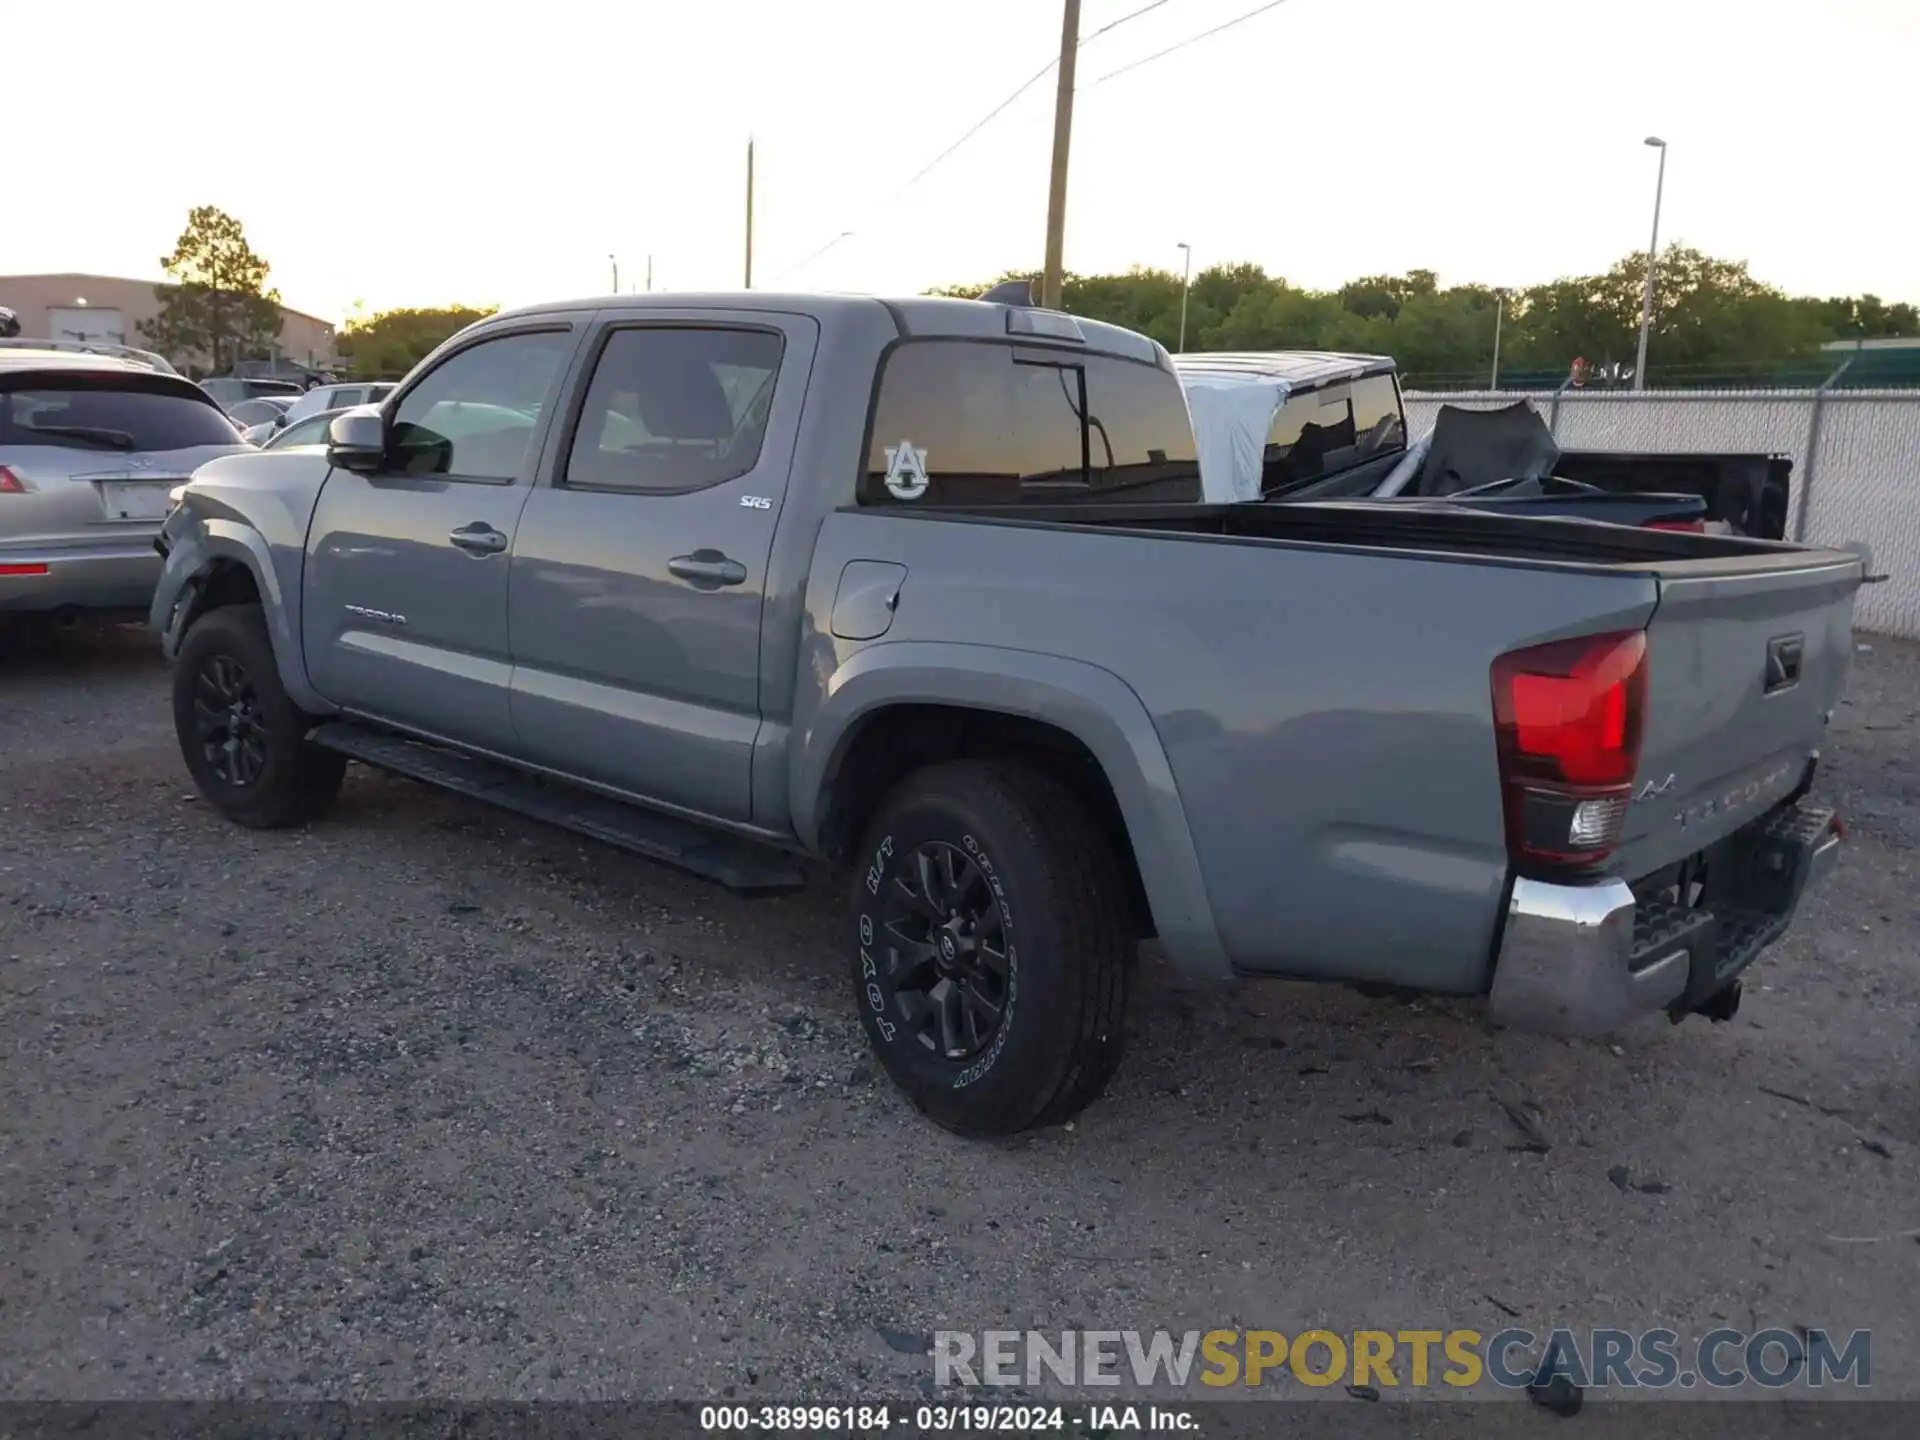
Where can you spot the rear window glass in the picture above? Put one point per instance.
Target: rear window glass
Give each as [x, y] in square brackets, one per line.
[96, 417]
[958, 423]
[1323, 431]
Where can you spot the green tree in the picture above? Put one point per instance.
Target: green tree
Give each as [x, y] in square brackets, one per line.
[388, 344]
[217, 309]
[1712, 319]
[1864, 317]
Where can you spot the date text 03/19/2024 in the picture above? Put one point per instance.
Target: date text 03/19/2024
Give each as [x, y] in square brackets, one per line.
[941, 1419]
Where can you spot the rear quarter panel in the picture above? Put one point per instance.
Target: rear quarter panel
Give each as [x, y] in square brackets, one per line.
[1325, 713]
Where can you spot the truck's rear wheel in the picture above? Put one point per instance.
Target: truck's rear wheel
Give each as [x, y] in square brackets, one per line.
[241, 735]
[994, 947]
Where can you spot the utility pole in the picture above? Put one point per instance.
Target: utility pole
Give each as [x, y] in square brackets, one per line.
[616, 273]
[1050, 279]
[649, 272]
[749, 212]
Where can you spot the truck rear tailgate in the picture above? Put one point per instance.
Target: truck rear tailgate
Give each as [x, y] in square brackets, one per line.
[1746, 658]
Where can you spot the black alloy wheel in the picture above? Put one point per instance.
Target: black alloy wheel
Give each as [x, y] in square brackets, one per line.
[243, 738]
[228, 726]
[946, 971]
[994, 945]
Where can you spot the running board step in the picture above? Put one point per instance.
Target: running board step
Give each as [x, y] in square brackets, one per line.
[737, 863]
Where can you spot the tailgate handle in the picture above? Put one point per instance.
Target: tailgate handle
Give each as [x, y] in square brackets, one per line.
[1784, 654]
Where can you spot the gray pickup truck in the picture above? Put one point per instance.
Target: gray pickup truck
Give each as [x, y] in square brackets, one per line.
[927, 588]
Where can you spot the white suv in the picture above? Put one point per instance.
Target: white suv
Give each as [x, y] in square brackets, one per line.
[334, 397]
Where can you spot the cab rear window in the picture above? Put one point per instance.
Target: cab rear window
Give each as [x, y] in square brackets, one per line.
[89, 415]
[966, 423]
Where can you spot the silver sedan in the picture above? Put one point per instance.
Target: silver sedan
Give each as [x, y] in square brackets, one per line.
[90, 446]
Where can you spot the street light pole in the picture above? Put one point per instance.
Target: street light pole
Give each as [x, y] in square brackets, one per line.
[649, 272]
[616, 273]
[1186, 285]
[1653, 256]
[1499, 314]
[1050, 277]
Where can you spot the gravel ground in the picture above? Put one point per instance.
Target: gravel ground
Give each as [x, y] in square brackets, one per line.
[426, 1100]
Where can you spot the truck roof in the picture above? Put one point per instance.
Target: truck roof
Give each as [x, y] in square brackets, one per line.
[1296, 369]
[919, 316]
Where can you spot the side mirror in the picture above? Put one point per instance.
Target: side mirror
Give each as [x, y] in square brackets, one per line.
[357, 441]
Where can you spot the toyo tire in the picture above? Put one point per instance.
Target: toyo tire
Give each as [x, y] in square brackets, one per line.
[993, 947]
[243, 738]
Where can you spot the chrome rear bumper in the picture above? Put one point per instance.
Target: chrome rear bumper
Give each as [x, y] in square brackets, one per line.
[1585, 959]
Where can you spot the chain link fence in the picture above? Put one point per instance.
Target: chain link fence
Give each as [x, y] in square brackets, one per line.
[1856, 461]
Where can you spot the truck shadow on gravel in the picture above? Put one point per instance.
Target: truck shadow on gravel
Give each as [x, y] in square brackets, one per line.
[34, 651]
[657, 975]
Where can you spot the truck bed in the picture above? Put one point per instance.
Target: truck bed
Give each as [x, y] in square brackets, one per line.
[1320, 678]
[1433, 531]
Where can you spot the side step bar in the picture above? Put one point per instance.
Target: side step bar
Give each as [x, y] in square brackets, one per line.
[737, 863]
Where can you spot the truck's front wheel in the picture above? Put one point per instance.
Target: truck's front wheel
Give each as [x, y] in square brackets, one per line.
[994, 947]
[243, 738]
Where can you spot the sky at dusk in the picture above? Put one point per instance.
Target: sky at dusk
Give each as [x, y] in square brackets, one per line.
[421, 153]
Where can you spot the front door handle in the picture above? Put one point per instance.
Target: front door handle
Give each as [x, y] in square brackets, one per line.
[708, 569]
[479, 538]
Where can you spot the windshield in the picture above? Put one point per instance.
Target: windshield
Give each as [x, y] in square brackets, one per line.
[95, 417]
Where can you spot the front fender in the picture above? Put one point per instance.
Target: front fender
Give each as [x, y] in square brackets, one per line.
[196, 545]
[1093, 705]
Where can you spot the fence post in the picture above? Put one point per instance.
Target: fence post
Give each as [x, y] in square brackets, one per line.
[1813, 449]
[1553, 410]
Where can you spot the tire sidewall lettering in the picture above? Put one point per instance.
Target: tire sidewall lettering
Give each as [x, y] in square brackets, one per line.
[981, 1068]
[877, 870]
[868, 929]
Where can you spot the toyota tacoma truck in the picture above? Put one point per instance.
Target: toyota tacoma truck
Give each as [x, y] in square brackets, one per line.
[928, 588]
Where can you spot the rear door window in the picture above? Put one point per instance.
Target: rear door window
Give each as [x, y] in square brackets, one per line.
[92, 416]
[962, 423]
[1332, 428]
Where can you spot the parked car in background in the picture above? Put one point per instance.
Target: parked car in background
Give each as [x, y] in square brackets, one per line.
[230, 390]
[264, 410]
[337, 397]
[310, 431]
[89, 447]
[924, 587]
[144, 358]
[1305, 425]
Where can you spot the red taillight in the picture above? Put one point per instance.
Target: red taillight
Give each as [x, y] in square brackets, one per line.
[1568, 719]
[10, 483]
[23, 569]
[1692, 527]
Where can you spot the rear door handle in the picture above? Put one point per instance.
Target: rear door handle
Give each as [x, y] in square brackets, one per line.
[708, 569]
[479, 538]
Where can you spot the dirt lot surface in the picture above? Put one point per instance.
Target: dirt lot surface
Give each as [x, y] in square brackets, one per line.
[425, 1100]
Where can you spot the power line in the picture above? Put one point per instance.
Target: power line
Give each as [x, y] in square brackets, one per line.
[1033, 80]
[973, 130]
[1115, 25]
[1190, 40]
